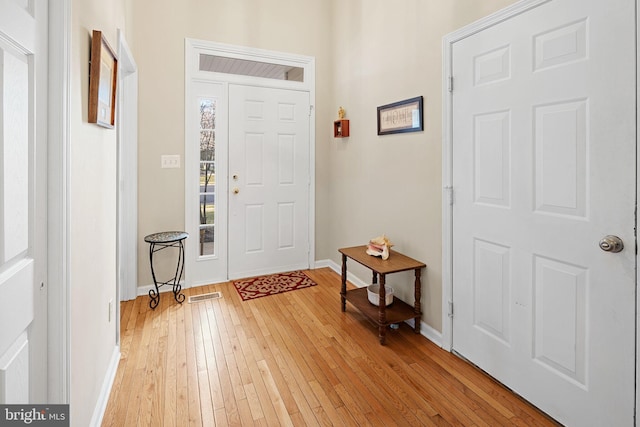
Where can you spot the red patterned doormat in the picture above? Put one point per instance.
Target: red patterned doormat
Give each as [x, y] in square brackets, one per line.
[262, 286]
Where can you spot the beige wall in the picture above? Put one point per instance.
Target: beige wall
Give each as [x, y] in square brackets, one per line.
[295, 26]
[368, 53]
[392, 184]
[92, 216]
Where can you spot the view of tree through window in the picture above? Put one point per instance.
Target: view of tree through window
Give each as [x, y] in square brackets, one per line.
[207, 175]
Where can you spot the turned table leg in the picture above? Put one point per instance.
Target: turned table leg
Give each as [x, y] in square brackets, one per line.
[343, 288]
[382, 315]
[416, 307]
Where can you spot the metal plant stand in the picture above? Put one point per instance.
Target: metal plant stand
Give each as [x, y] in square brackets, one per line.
[158, 242]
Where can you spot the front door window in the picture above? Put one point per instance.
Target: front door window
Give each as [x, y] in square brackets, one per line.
[207, 176]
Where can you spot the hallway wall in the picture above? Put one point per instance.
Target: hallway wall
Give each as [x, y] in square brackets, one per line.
[293, 26]
[386, 52]
[92, 217]
[368, 53]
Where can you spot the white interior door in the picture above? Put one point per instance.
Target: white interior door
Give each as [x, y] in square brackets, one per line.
[269, 180]
[544, 119]
[23, 308]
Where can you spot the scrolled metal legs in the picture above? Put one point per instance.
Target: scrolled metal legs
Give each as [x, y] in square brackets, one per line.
[155, 298]
[154, 294]
[177, 287]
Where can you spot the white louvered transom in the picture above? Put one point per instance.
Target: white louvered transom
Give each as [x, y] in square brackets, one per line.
[219, 64]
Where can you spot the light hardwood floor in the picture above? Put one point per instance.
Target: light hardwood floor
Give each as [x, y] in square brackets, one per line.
[292, 359]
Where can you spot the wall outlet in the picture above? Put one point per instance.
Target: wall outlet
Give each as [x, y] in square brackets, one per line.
[170, 161]
[110, 310]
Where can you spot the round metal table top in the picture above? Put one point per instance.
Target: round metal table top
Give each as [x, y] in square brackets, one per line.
[166, 237]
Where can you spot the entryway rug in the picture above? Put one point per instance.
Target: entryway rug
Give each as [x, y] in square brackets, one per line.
[262, 286]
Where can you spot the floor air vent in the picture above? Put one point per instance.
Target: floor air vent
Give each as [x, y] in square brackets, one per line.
[204, 297]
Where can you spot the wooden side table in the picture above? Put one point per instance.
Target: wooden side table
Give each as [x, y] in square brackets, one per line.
[381, 315]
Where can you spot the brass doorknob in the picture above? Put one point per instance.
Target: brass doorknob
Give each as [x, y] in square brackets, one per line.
[611, 244]
[236, 190]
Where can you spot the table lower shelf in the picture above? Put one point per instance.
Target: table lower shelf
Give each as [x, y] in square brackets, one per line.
[397, 312]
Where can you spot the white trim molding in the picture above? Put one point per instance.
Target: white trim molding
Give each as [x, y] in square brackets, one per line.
[59, 307]
[127, 199]
[637, 373]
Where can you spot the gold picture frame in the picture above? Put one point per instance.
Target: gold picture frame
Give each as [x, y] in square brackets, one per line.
[103, 79]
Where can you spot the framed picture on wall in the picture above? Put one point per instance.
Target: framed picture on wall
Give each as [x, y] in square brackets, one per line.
[402, 116]
[103, 78]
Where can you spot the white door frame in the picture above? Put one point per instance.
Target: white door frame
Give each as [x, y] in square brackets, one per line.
[447, 162]
[127, 245]
[59, 307]
[194, 47]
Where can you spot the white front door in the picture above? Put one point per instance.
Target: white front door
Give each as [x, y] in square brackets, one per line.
[23, 125]
[544, 153]
[269, 180]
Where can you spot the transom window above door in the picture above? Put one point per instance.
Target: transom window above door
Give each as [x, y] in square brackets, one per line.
[244, 67]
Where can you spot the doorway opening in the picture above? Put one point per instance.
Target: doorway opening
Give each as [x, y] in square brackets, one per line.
[272, 159]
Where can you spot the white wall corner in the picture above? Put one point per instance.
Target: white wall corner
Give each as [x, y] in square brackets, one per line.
[105, 390]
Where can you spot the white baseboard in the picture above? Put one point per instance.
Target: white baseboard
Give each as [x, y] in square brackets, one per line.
[338, 269]
[105, 391]
[425, 330]
[144, 290]
[431, 334]
[323, 263]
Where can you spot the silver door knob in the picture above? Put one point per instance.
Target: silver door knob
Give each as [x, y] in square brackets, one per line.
[611, 244]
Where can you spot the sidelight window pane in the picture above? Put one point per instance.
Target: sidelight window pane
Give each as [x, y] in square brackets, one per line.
[207, 176]
[207, 114]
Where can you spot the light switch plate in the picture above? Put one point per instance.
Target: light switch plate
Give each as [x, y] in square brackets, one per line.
[170, 161]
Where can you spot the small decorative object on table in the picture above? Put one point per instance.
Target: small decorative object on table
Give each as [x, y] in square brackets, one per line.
[379, 246]
[373, 293]
[341, 126]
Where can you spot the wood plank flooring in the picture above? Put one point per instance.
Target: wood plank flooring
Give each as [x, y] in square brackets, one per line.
[292, 359]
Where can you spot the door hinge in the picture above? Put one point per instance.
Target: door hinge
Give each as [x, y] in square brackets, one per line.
[449, 190]
[310, 109]
[450, 84]
[450, 309]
